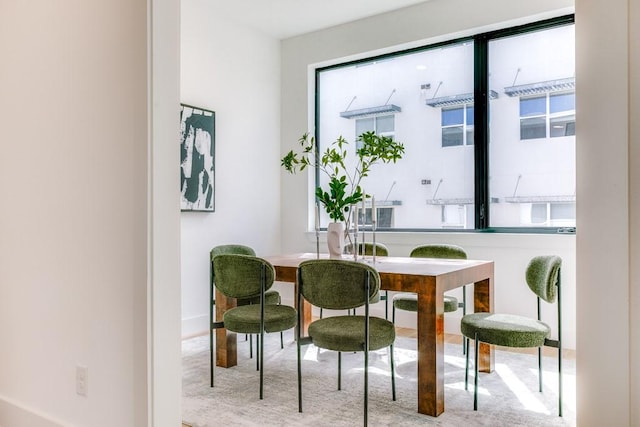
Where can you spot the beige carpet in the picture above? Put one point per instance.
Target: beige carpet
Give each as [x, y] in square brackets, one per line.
[508, 396]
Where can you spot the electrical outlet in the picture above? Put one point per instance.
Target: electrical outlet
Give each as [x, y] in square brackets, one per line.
[82, 380]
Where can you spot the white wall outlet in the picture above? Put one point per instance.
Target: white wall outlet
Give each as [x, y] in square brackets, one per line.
[82, 380]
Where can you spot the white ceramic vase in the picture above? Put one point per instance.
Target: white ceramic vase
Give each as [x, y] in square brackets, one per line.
[335, 239]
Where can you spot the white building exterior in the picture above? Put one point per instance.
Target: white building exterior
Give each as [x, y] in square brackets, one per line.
[424, 99]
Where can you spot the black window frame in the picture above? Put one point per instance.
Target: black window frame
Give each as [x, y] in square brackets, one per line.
[481, 120]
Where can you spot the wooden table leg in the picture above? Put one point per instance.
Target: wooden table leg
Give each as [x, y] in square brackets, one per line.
[305, 312]
[483, 302]
[431, 350]
[226, 348]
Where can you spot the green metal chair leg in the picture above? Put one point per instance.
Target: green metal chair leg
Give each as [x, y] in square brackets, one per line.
[339, 370]
[393, 375]
[466, 368]
[475, 380]
[540, 369]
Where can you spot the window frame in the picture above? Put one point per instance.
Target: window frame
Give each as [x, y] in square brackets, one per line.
[480, 118]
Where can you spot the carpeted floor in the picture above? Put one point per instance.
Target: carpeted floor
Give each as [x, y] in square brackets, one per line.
[508, 396]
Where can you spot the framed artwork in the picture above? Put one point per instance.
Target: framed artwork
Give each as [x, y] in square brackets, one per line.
[197, 159]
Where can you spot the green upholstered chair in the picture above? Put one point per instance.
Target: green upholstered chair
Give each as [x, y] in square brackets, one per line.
[343, 285]
[242, 276]
[271, 296]
[408, 301]
[381, 250]
[509, 330]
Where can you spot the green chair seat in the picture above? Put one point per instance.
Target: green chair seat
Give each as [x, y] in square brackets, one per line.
[409, 302]
[507, 330]
[346, 333]
[246, 319]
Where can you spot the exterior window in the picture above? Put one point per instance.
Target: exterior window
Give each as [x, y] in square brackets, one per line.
[382, 125]
[553, 214]
[562, 117]
[533, 117]
[559, 117]
[384, 219]
[457, 126]
[454, 216]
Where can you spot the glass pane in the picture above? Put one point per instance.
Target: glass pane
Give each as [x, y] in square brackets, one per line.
[533, 128]
[470, 115]
[452, 136]
[562, 102]
[452, 116]
[528, 169]
[470, 135]
[563, 212]
[533, 106]
[385, 124]
[364, 125]
[562, 126]
[402, 199]
[538, 213]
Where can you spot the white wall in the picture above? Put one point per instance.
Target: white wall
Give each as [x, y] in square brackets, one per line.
[235, 71]
[607, 73]
[414, 26]
[634, 208]
[73, 224]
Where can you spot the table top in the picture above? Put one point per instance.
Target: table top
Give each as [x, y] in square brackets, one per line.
[405, 266]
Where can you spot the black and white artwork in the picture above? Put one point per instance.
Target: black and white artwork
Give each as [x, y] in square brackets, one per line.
[197, 159]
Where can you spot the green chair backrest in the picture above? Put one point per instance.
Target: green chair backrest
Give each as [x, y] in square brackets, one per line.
[381, 250]
[232, 249]
[240, 276]
[543, 276]
[439, 251]
[337, 284]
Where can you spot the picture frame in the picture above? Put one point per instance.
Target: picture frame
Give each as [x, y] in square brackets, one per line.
[197, 159]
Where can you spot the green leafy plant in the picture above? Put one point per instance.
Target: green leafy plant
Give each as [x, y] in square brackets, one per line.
[344, 184]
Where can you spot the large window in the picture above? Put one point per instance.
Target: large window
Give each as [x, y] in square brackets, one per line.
[461, 170]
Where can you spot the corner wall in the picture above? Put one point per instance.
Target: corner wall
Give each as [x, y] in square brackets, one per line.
[235, 71]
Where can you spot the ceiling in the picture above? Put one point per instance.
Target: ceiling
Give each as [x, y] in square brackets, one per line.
[287, 18]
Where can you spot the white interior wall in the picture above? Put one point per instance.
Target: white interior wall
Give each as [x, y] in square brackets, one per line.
[607, 182]
[634, 207]
[163, 294]
[235, 71]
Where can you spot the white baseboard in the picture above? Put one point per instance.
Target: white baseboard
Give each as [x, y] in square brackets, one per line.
[192, 326]
[13, 414]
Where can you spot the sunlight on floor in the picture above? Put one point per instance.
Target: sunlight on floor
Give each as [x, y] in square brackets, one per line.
[522, 392]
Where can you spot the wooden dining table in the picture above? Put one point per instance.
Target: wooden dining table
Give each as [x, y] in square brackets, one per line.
[429, 278]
